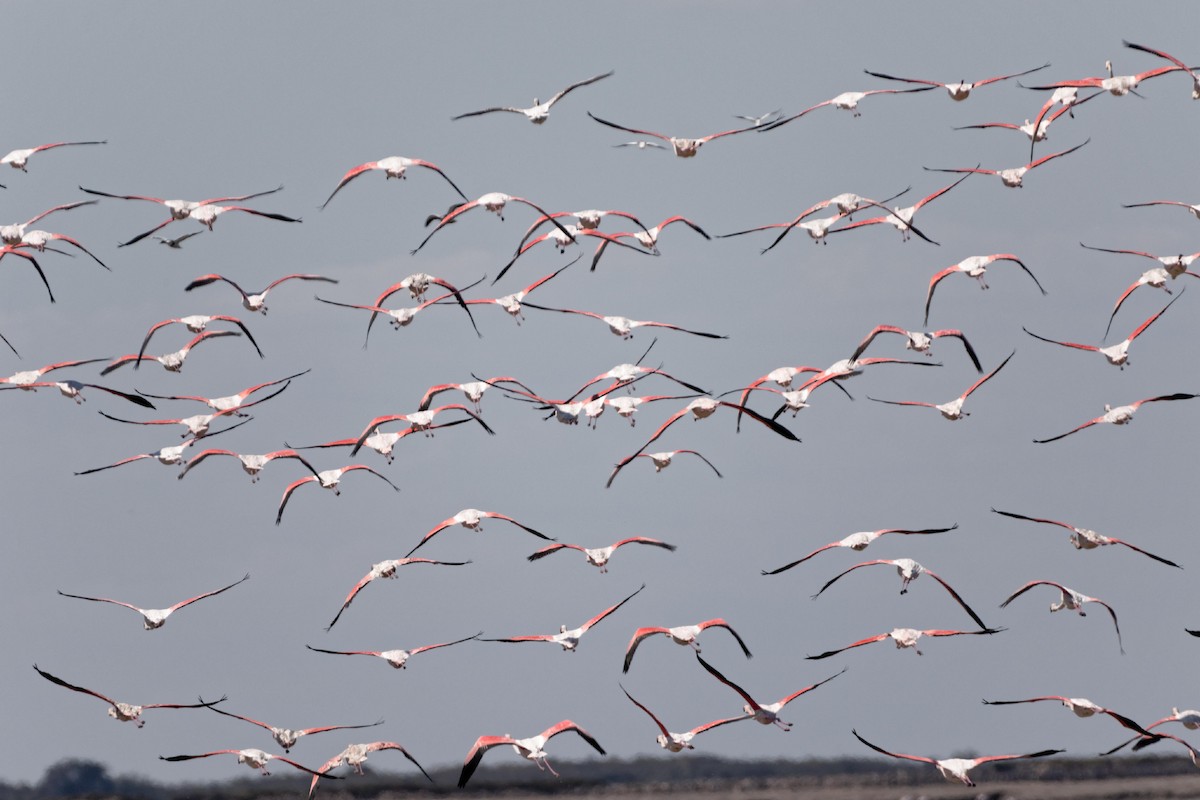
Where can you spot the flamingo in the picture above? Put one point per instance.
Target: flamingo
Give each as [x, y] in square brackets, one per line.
[684, 148]
[624, 326]
[663, 460]
[251, 757]
[1171, 267]
[494, 202]
[1037, 129]
[1080, 707]
[256, 301]
[953, 409]
[178, 209]
[470, 518]
[539, 112]
[28, 379]
[1190, 719]
[326, 479]
[287, 737]
[1116, 354]
[252, 464]
[397, 658]
[909, 571]
[391, 167]
[959, 90]
[681, 635]
[1183, 67]
[847, 101]
[838, 370]
[917, 341]
[400, 317]
[196, 323]
[627, 405]
[1013, 177]
[234, 401]
[905, 638]
[419, 420]
[511, 303]
[975, 267]
[386, 569]
[39, 239]
[381, 442]
[599, 556]
[648, 238]
[1118, 415]
[1085, 539]
[587, 219]
[171, 362]
[206, 214]
[123, 712]
[472, 389]
[1071, 600]
[1192, 207]
[700, 408]
[782, 376]
[154, 618]
[901, 218]
[569, 639]
[73, 389]
[956, 769]
[354, 755]
[562, 240]
[676, 742]
[164, 455]
[418, 285]
[532, 748]
[18, 159]
[816, 229]
[763, 713]
[1116, 85]
[14, 233]
[859, 542]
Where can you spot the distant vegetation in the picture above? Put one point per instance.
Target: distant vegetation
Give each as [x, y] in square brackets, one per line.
[74, 777]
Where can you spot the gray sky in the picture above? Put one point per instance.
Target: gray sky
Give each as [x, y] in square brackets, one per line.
[228, 99]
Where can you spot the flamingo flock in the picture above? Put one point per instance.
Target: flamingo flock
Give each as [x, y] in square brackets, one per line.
[764, 493]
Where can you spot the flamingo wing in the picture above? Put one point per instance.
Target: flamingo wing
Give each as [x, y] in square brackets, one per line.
[859, 643]
[587, 625]
[191, 600]
[879, 749]
[349, 176]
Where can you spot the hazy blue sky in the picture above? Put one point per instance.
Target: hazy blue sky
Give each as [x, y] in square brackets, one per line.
[228, 98]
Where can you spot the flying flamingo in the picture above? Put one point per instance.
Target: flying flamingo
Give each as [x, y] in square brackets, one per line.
[511, 303]
[73, 389]
[17, 159]
[1192, 207]
[392, 167]
[1116, 85]
[494, 202]
[472, 389]
[959, 90]
[417, 285]
[354, 755]
[386, 569]
[326, 479]
[846, 203]
[397, 658]
[252, 464]
[1071, 600]
[532, 748]
[287, 737]
[909, 571]
[256, 301]
[164, 455]
[1116, 354]
[569, 639]
[39, 239]
[975, 267]
[562, 240]
[684, 148]
[419, 420]
[196, 323]
[956, 769]
[14, 233]
[587, 219]
[123, 712]
[1118, 415]
[681, 635]
[198, 424]
[251, 757]
[470, 518]
[904, 638]
[859, 542]
[1171, 267]
[763, 713]
[917, 341]
[624, 326]
[663, 460]
[953, 409]
[400, 317]
[381, 442]
[539, 112]
[1013, 177]
[1027, 128]
[27, 379]
[171, 362]
[1183, 67]
[847, 101]
[676, 742]
[648, 238]
[901, 218]
[1085, 539]
[1080, 707]
[206, 214]
[179, 209]
[599, 556]
[153, 618]
[627, 405]
[233, 401]
[1190, 719]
